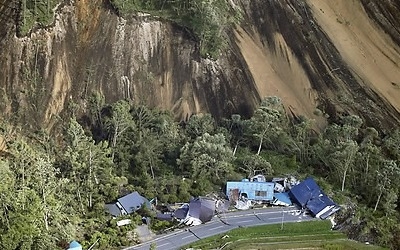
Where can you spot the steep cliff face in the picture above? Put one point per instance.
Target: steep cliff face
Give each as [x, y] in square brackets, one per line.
[339, 58]
[331, 52]
[90, 48]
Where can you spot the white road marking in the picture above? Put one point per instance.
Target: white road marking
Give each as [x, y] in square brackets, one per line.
[163, 244]
[275, 218]
[244, 221]
[191, 235]
[215, 228]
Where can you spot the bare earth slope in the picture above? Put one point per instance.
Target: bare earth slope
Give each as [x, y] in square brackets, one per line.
[369, 51]
[326, 54]
[336, 56]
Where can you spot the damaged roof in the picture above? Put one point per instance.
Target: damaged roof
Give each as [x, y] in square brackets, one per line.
[309, 195]
[202, 209]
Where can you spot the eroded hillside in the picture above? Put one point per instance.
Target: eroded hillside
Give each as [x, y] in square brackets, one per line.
[335, 56]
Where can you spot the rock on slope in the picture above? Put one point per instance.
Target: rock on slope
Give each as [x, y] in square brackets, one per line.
[336, 56]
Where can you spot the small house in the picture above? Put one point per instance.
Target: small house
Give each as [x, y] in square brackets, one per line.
[128, 204]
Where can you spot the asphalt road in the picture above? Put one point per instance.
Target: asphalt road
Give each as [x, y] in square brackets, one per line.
[224, 223]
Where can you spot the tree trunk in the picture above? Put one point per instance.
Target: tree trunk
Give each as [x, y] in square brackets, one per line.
[259, 146]
[151, 168]
[378, 200]
[344, 178]
[234, 150]
[90, 179]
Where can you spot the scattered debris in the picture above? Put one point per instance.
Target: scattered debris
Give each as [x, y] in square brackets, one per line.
[243, 204]
[247, 193]
[124, 222]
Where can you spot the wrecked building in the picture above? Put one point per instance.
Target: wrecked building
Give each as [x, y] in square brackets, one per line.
[308, 195]
[256, 189]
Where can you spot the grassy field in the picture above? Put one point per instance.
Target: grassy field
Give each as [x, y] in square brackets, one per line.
[305, 235]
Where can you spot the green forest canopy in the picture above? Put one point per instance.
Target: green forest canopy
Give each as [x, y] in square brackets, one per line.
[54, 188]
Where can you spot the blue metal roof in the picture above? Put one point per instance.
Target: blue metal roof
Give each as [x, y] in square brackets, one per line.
[305, 191]
[113, 209]
[317, 204]
[202, 208]
[309, 195]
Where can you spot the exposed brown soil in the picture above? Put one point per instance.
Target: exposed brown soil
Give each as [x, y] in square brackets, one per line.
[368, 51]
[278, 73]
[316, 55]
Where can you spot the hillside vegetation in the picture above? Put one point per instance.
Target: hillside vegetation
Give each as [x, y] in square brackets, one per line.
[54, 189]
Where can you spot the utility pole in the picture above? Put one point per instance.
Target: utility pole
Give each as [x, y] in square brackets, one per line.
[283, 216]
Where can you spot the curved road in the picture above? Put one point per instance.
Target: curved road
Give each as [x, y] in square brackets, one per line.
[223, 223]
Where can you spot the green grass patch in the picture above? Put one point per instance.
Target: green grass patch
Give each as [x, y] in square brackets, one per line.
[311, 234]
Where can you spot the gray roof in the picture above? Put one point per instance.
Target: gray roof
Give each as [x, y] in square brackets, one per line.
[202, 209]
[113, 209]
[132, 202]
[181, 212]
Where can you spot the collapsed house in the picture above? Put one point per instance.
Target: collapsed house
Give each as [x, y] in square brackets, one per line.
[197, 211]
[257, 189]
[308, 195]
[282, 192]
[127, 204]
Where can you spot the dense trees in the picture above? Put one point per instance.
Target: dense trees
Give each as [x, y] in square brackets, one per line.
[54, 191]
